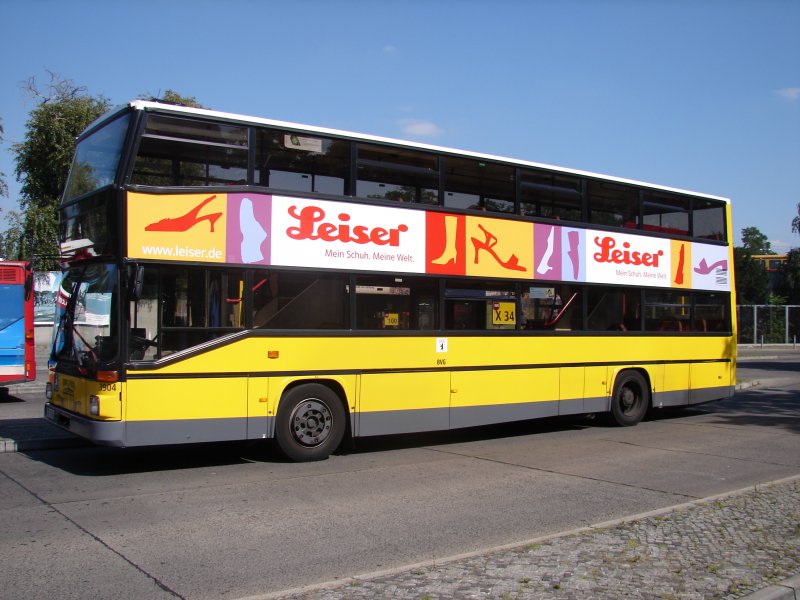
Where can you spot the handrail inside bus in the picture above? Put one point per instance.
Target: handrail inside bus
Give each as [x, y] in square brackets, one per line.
[563, 310]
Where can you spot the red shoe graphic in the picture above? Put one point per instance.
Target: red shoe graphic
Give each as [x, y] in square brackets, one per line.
[512, 264]
[679, 271]
[187, 221]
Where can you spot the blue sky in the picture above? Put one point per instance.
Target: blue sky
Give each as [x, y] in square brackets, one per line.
[702, 95]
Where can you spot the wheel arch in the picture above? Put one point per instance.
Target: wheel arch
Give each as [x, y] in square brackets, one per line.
[631, 397]
[648, 379]
[334, 386]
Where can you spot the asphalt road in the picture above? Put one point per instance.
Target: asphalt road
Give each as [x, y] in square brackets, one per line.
[233, 520]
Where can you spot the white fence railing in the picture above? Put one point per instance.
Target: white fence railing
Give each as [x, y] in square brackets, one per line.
[768, 324]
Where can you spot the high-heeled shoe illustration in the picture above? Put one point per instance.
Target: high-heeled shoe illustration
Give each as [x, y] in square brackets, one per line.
[679, 271]
[544, 264]
[574, 240]
[704, 268]
[253, 234]
[512, 264]
[187, 221]
[450, 252]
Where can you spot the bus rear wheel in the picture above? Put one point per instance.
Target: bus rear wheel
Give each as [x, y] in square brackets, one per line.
[310, 423]
[631, 398]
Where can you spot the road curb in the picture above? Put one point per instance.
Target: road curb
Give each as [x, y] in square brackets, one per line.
[788, 589]
[11, 445]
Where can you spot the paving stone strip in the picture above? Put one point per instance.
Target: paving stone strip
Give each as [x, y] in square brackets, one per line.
[727, 547]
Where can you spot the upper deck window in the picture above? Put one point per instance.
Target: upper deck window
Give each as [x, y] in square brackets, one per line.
[96, 159]
[182, 152]
[613, 204]
[471, 183]
[397, 174]
[708, 219]
[665, 213]
[552, 195]
[287, 160]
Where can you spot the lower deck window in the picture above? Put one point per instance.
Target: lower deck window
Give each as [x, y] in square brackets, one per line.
[614, 309]
[555, 307]
[292, 300]
[480, 306]
[399, 303]
[184, 306]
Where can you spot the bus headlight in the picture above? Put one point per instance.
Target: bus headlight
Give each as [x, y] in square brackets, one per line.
[48, 391]
[94, 405]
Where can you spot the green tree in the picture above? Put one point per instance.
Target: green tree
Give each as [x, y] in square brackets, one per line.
[796, 221]
[755, 242]
[789, 285]
[173, 97]
[752, 281]
[11, 239]
[43, 159]
[3, 185]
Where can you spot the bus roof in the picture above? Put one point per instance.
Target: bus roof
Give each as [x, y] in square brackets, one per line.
[186, 110]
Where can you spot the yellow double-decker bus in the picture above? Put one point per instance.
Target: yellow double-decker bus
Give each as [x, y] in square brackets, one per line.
[235, 278]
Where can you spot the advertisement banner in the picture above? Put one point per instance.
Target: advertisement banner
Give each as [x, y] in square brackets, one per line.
[247, 228]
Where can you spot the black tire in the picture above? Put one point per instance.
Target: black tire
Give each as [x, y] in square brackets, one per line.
[310, 424]
[631, 399]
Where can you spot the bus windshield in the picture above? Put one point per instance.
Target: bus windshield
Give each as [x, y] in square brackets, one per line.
[96, 159]
[85, 316]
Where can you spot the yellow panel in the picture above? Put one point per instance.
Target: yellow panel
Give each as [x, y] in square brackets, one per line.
[676, 377]
[404, 391]
[73, 395]
[429, 362]
[513, 386]
[259, 403]
[709, 375]
[596, 382]
[201, 398]
[571, 387]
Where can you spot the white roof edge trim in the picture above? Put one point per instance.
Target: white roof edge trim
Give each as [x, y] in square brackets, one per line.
[146, 104]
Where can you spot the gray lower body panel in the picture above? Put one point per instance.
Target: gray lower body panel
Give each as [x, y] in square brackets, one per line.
[107, 433]
[152, 433]
[689, 397]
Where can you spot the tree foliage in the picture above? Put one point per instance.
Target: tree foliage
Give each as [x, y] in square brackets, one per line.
[755, 242]
[63, 110]
[789, 285]
[752, 281]
[796, 221]
[173, 97]
[11, 239]
[43, 159]
[44, 156]
[3, 185]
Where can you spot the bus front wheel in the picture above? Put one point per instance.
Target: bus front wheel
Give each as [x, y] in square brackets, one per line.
[631, 398]
[310, 424]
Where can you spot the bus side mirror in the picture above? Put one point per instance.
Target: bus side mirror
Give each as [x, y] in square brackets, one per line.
[136, 283]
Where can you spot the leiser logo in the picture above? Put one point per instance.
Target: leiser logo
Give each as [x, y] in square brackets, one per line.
[628, 259]
[313, 226]
[339, 235]
[609, 253]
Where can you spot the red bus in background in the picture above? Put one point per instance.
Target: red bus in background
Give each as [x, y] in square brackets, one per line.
[17, 359]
